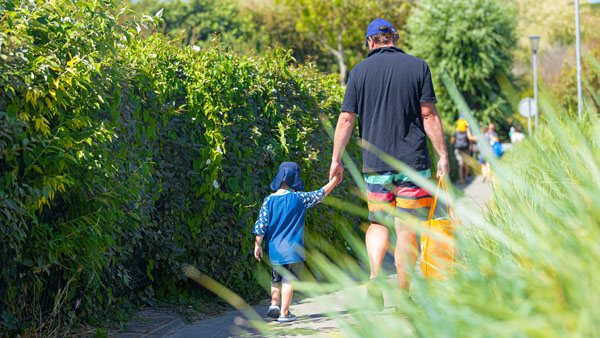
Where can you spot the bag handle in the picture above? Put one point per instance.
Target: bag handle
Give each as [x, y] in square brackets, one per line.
[449, 205]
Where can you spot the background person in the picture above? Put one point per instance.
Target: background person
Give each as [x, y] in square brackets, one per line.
[515, 135]
[392, 94]
[463, 143]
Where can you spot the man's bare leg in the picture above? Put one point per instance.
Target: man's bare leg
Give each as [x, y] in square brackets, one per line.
[405, 253]
[376, 241]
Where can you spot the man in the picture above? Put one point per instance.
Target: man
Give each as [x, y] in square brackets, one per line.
[462, 141]
[393, 96]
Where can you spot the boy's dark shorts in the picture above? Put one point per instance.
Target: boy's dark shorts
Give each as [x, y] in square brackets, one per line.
[286, 273]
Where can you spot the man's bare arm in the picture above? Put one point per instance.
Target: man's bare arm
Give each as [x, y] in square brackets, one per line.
[343, 131]
[433, 128]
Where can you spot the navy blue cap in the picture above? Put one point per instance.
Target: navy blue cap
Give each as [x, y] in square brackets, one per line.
[288, 172]
[377, 26]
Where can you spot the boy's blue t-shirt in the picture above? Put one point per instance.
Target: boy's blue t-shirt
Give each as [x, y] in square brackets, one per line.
[281, 221]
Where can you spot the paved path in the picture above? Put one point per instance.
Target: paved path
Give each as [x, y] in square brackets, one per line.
[313, 319]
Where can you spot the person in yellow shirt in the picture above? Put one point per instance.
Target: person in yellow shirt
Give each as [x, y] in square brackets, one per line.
[462, 141]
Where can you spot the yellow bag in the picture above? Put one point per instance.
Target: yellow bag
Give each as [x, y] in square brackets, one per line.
[437, 241]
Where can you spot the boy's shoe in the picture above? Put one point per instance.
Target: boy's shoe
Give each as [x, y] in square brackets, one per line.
[289, 318]
[374, 299]
[273, 311]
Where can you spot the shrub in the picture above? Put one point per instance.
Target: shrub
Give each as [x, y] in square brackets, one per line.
[121, 158]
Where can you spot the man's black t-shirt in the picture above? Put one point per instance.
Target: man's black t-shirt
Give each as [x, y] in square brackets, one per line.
[386, 91]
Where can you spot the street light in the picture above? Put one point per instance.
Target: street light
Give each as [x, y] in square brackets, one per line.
[535, 39]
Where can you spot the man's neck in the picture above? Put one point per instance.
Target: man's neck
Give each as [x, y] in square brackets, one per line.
[384, 45]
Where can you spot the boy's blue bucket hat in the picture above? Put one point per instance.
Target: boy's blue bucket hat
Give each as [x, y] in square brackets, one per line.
[288, 172]
[378, 26]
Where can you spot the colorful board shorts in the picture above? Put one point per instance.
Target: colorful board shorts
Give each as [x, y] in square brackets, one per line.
[389, 194]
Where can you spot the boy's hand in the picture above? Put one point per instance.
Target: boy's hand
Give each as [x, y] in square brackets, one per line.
[258, 252]
[332, 183]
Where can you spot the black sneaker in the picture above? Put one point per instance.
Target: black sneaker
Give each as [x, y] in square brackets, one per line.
[374, 298]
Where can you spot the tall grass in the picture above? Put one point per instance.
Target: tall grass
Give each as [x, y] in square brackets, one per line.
[527, 265]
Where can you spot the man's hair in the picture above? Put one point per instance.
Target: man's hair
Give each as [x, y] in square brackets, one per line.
[385, 38]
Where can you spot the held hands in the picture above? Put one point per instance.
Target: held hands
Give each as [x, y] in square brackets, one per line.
[258, 253]
[336, 170]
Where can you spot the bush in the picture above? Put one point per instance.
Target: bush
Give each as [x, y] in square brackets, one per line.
[121, 158]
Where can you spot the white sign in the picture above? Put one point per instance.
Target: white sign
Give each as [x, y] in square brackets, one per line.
[527, 107]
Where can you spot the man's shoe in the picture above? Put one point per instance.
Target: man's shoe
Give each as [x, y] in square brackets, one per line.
[273, 311]
[374, 299]
[289, 318]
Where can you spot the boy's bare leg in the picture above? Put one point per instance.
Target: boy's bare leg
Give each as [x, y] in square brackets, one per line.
[405, 253]
[287, 291]
[376, 241]
[275, 294]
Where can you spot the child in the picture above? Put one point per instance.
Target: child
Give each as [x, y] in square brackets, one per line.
[281, 222]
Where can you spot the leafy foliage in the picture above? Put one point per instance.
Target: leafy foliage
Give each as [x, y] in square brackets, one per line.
[471, 40]
[339, 26]
[247, 28]
[122, 157]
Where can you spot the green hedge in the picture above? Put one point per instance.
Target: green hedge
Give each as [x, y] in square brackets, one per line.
[121, 158]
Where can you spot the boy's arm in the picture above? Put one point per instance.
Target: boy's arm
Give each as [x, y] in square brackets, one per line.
[309, 199]
[258, 253]
[262, 221]
[330, 185]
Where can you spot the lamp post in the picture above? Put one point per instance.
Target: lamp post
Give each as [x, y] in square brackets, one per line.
[535, 39]
[578, 52]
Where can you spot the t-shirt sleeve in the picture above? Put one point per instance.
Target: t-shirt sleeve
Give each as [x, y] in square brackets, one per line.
[349, 104]
[262, 222]
[309, 199]
[427, 92]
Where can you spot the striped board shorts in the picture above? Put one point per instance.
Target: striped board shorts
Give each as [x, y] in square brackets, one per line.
[389, 194]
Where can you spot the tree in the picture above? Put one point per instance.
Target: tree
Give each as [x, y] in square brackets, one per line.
[197, 21]
[471, 40]
[339, 26]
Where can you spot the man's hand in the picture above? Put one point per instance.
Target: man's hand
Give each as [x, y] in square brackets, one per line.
[443, 167]
[343, 131]
[258, 252]
[336, 170]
